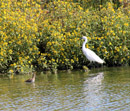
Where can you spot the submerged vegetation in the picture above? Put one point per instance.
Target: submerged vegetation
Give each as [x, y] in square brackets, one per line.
[45, 35]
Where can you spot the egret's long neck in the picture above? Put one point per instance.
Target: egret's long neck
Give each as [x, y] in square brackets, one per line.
[83, 46]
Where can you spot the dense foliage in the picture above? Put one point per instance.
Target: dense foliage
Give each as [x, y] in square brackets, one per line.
[46, 35]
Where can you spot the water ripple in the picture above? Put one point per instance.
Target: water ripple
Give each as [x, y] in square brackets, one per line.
[100, 91]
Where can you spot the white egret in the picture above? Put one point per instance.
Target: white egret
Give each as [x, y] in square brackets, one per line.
[90, 55]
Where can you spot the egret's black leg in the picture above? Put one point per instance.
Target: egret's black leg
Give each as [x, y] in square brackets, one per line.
[90, 65]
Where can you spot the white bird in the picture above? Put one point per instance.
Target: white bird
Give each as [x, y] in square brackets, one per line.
[90, 55]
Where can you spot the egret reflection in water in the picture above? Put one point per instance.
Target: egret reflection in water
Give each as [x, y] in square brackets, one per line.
[93, 89]
[107, 90]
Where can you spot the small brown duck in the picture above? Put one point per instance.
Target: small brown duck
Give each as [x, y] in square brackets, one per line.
[31, 79]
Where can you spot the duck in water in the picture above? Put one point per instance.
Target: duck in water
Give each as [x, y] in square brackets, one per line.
[31, 79]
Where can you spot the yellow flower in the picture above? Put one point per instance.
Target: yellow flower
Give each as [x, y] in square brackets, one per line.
[1, 59]
[10, 51]
[110, 43]
[98, 49]
[62, 49]
[126, 24]
[72, 61]
[14, 64]
[108, 33]
[117, 25]
[5, 43]
[101, 43]
[11, 71]
[22, 70]
[53, 60]
[20, 58]
[117, 49]
[1, 53]
[87, 46]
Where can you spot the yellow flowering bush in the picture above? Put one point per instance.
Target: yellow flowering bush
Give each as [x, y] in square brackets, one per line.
[65, 23]
[45, 35]
[59, 35]
[113, 35]
[18, 30]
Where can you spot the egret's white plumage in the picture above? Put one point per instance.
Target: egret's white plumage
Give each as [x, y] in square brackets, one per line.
[91, 56]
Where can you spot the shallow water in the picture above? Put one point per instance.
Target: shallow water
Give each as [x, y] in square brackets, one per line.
[98, 90]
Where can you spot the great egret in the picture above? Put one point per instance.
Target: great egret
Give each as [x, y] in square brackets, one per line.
[90, 55]
[31, 79]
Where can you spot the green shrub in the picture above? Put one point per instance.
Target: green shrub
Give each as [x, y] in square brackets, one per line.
[110, 34]
[49, 38]
[65, 23]
[18, 41]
